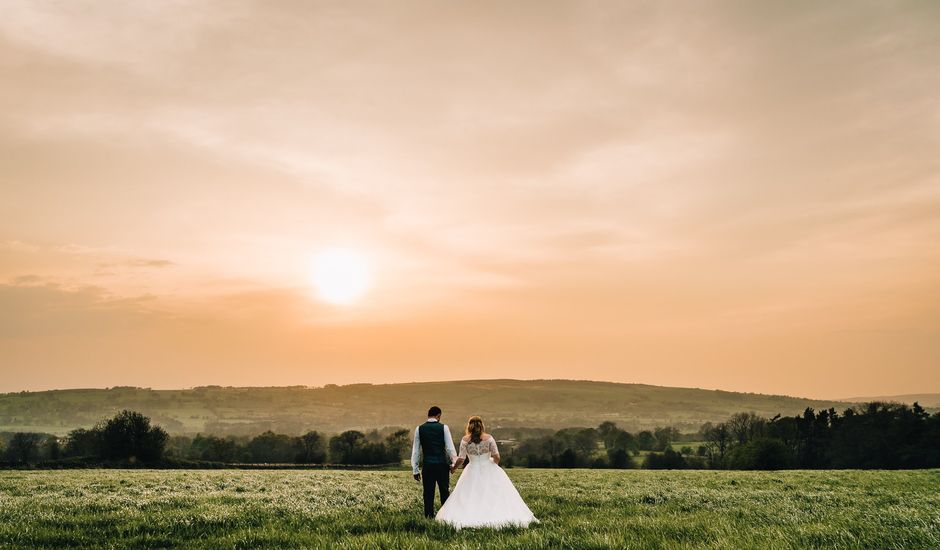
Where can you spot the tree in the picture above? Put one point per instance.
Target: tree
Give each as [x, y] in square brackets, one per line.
[178, 446]
[703, 430]
[646, 440]
[931, 439]
[608, 433]
[215, 449]
[352, 447]
[585, 440]
[619, 458]
[398, 444]
[312, 449]
[568, 459]
[23, 447]
[667, 460]
[717, 443]
[539, 452]
[625, 440]
[878, 435]
[129, 436]
[665, 437]
[762, 453]
[345, 447]
[83, 443]
[51, 449]
[272, 448]
[745, 426]
[813, 437]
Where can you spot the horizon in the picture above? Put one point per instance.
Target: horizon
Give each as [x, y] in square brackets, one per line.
[455, 381]
[743, 197]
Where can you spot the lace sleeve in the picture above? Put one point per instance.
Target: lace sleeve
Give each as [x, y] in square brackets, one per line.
[463, 449]
[493, 449]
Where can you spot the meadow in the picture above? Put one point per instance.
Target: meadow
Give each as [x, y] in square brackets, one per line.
[381, 509]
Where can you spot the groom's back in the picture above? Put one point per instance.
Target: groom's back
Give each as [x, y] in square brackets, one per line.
[431, 435]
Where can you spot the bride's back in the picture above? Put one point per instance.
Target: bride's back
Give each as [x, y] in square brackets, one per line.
[486, 445]
[484, 495]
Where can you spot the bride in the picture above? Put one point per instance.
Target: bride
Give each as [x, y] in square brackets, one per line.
[484, 495]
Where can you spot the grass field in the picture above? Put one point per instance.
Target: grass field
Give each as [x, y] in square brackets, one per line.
[363, 509]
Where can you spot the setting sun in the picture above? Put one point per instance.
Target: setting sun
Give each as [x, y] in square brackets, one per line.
[267, 193]
[341, 276]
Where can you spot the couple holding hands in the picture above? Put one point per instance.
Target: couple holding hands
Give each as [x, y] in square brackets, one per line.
[484, 495]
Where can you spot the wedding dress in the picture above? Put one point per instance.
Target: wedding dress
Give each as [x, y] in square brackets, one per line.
[484, 495]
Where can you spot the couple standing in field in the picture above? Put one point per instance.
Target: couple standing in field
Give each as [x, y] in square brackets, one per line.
[484, 495]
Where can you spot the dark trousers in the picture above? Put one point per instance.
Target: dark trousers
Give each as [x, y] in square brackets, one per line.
[431, 474]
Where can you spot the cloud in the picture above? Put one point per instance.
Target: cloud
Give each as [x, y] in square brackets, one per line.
[18, 246]
[738, 168]
[112, 32]
[24, 280]
[142, 262]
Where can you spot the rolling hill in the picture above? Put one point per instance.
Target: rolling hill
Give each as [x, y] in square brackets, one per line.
[926, 400]
[508, 403]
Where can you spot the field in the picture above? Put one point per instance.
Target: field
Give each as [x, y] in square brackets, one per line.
[370, 509]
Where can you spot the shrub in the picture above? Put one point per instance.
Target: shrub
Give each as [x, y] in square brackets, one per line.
[667, 460]
[762, 453]
[619, 459]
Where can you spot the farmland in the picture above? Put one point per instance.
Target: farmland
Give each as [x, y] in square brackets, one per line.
[577, 508]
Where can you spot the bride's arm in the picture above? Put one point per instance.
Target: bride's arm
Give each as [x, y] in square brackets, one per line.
[461, 456]
[494, 452]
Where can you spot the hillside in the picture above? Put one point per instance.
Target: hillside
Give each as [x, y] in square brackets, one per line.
[533, 403]
[926, 400]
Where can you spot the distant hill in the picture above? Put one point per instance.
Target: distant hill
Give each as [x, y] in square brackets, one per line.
[926, 400]
[508, 403]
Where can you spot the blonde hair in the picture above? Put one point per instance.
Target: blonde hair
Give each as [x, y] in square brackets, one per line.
[475, 429]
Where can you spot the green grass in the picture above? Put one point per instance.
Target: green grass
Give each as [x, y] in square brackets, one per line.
[678, 445]
[365, 509]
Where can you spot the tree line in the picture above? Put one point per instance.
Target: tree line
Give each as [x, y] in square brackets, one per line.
[606, 446]
[874, 435]
[129, 437]
[349, 447]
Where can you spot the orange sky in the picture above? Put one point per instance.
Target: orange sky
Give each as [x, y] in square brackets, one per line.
[742, 196]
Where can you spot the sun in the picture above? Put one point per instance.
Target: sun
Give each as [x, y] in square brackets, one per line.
[341, 276]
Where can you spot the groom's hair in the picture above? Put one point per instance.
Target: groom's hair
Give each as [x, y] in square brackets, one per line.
[434, 411]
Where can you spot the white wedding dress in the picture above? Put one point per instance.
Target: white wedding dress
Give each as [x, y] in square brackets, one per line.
[484, 495]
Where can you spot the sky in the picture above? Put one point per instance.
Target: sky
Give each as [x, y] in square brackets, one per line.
[730, 195]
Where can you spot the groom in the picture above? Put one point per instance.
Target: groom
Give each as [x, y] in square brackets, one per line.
[433, 440]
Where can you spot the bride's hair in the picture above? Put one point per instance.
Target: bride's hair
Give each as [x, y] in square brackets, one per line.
[475, 429]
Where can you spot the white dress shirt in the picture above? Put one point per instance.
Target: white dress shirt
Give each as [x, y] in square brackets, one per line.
[448, 447]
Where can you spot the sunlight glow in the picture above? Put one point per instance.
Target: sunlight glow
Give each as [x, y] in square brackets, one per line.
[341, 276]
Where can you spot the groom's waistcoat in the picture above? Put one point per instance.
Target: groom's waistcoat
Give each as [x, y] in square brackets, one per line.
[431, 435]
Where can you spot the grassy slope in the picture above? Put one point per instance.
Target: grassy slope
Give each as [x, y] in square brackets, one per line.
[540, 403]
[926, 400]
[577, 509]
